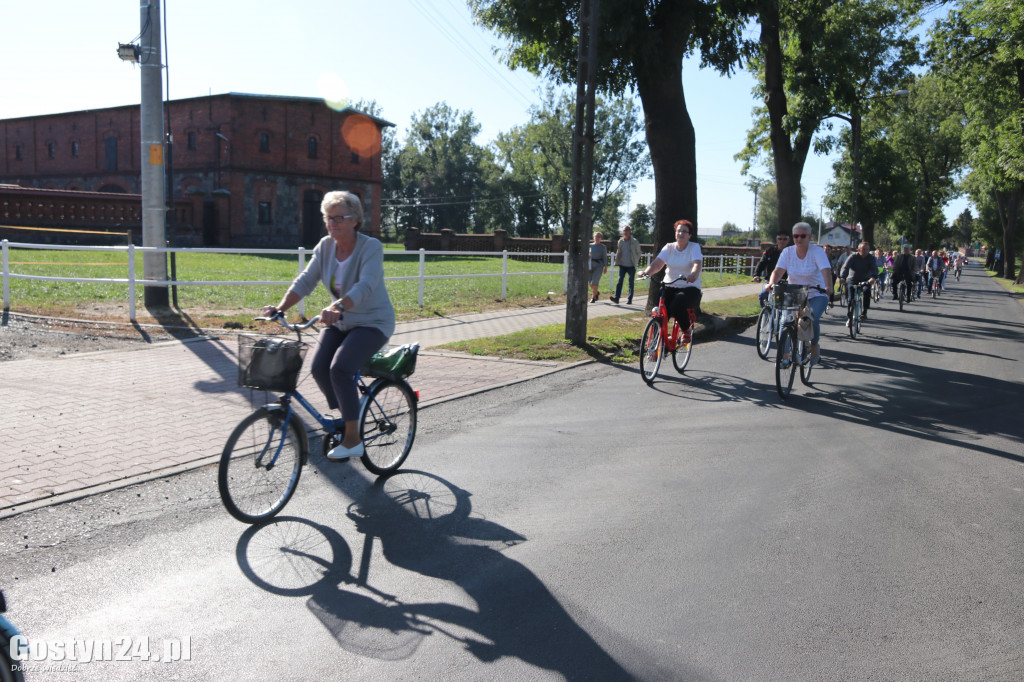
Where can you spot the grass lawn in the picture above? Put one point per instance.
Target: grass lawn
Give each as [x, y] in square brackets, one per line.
[616, 338]
[214, 306]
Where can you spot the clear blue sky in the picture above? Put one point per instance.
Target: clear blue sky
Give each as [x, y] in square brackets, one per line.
[405, 54]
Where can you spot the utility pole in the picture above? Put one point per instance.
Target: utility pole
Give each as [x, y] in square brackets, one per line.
[581, 216]
[151, 115]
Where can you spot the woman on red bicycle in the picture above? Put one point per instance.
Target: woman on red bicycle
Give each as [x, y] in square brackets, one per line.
[683, 261]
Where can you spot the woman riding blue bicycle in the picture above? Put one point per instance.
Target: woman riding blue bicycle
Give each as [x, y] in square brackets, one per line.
[350, 265]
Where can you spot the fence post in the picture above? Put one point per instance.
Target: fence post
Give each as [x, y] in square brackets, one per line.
[7, 282]
[302, 266]
[131, 282]
[423, 261]
[504, 274]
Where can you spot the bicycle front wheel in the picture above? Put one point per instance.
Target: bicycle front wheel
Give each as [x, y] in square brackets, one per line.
[804, 353]
[651, 351]
[854, 317]
[684, 344]
[901, 294]
[786, 361]
[260, 466]
[764, 332]
[387, 424]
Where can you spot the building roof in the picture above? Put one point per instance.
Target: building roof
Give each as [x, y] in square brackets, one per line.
[351, 110]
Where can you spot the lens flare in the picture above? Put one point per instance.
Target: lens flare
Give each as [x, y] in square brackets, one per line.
[361, 135]
[333, 91]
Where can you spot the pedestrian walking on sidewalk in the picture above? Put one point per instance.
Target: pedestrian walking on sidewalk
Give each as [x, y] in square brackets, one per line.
[627, 257]
[351, 265]
[598, 265]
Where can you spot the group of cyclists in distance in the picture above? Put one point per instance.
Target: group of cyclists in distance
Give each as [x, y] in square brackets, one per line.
[834, 271]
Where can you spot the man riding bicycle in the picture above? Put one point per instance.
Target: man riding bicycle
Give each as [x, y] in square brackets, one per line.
[936, 267]
[860, 268]
[769, 259]
[903, 270]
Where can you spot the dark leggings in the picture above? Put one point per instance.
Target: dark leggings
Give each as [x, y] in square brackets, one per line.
[339, 356]
[680, 299]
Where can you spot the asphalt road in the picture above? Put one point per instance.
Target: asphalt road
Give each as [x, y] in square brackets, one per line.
[586, 526]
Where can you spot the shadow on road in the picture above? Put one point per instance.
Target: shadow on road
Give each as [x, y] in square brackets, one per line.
[425, 525]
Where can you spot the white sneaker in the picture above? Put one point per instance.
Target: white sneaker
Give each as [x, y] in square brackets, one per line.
[341, 453]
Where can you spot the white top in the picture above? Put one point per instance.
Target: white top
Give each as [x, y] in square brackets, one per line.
[678, 263]
[806, 270]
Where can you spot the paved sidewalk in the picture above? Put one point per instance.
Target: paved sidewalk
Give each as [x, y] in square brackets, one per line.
[92, 422]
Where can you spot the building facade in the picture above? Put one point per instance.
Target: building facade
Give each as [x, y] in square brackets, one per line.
[251, 169]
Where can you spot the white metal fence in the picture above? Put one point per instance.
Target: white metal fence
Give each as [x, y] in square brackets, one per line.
[720, 264]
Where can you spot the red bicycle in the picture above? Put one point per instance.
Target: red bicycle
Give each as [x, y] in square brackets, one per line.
[657, 341]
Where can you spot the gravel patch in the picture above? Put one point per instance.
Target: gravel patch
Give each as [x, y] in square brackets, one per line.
[30, 337]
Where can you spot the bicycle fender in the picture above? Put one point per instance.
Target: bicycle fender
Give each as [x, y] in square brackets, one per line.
[300, 427]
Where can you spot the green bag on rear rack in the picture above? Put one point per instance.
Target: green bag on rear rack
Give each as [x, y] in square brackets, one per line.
[394, 363]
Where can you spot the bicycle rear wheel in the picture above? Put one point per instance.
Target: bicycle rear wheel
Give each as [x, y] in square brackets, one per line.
[684, 344]
[764, 332]
[804, 353]
[387, 423]
[260, 466]
[785, 361]
[651, 351]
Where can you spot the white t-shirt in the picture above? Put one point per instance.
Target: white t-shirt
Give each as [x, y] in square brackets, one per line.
[339, 272]
[806, 270]
[679, 262]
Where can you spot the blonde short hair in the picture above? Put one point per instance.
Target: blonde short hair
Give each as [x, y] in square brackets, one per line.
[353, 205]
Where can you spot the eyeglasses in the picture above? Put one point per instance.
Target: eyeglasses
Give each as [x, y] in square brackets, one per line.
[336, 219]
[801, 236]
[683, 231]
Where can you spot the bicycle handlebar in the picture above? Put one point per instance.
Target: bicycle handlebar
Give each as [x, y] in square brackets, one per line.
[664, 284]
[296, 327]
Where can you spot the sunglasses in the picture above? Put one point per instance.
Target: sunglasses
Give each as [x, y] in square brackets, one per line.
[801, 236]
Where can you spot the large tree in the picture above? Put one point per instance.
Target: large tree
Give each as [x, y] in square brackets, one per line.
[979, 49]
[910, 154]
[817, 59]
[539, 153]
[640, 46]
[443, 170]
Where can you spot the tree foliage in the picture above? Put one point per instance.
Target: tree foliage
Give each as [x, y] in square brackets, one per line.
[537, 156]
[979, 51]
[641, 45]
[816, 59]
[442, 170]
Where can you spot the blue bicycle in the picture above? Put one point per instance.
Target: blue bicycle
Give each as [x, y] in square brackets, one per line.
[12, 670]
[263, 458]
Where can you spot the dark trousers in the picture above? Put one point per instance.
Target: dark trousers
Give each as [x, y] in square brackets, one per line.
[623, 271]
[339, 357]
[679, 300]
[865, 297]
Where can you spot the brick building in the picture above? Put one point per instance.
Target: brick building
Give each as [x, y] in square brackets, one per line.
[252, 168]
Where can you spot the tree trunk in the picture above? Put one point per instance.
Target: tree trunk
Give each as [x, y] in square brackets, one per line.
[1009, 208]
[789, 157]
[672, 144]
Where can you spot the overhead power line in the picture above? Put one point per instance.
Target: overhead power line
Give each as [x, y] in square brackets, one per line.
[485, 63]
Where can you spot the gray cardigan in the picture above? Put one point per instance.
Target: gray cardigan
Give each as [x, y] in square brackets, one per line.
[362, 281]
